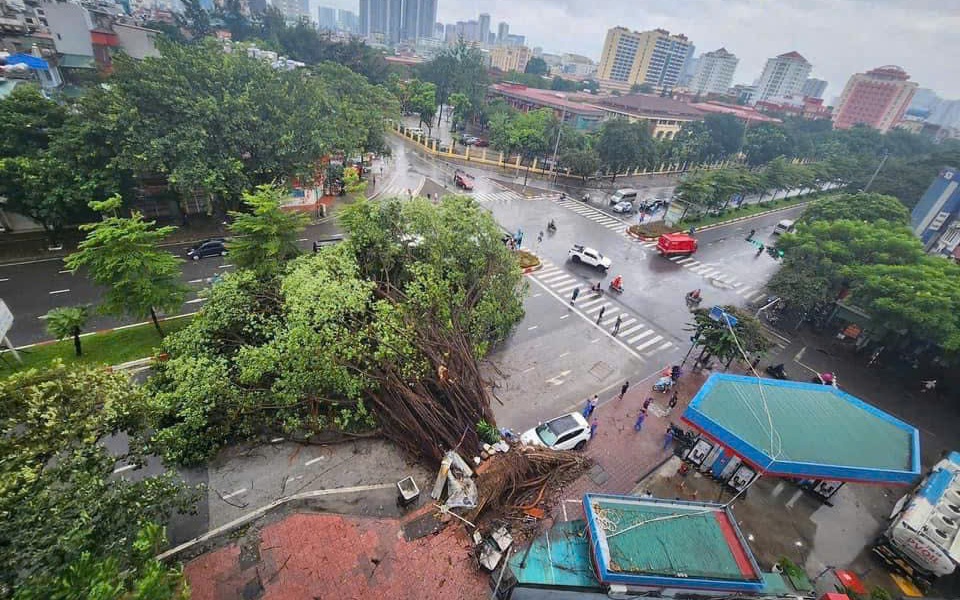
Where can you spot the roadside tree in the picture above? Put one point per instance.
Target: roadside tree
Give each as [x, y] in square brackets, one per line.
[718, 339]
[68, 321]
[265, 237]
[623, 145]
[867, 207]
[122, 254]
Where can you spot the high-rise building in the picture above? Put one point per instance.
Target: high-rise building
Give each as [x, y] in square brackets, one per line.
[293, 10]
[510, 58]
[348, 21]
[516, 40]
[945, 113]
[503, 32]
[877, 98]
[438, 31]
[936, 217]
[813, 88]
[450, 33]
[327, 18]
[484, 25]
[653, 57]
[398, 20]
[782, 76]
[714, 72]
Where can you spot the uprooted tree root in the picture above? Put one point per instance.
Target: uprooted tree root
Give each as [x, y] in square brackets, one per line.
[511, 483]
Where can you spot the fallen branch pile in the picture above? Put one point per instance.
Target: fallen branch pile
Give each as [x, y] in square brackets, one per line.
[524, 479]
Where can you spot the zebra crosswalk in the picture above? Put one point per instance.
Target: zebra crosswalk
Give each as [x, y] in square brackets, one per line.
[591, 213]
[643, 339]
[750, 292]
[398, 190]
[501, 196]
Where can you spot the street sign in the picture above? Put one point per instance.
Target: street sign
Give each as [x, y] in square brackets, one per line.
[718, 314]
[6, 319]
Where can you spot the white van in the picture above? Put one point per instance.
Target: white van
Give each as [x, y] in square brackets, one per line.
[624, 195]
[784, 226]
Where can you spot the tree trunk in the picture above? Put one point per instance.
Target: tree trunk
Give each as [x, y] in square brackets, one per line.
[76, 341]
[156, 322]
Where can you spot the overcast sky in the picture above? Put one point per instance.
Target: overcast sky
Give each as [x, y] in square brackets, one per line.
[839, 37]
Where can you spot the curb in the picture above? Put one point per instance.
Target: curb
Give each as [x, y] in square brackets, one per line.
[723, 223]
[535, 267]
[100, 331]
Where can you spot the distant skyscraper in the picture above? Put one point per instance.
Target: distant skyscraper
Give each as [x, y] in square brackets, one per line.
[924, 102]
[484, 24]
[347, 21]
[503, 32]
[398, 20]
[945, 113]
[877, 98]
[293, 10]
[783, 76]
[813, 88]
[516, 40]
[714, 72]
[450, 33]
[653, 57]
[438, 31]
[327, 18]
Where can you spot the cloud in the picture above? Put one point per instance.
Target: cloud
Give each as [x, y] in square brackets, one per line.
[839, 37]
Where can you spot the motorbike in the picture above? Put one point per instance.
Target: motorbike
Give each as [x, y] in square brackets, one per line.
[777, 372]
[663, 384]
[825, 379]
[616, 288]
[585, 198]
[693, 300]
[551, 227]
[683, 436]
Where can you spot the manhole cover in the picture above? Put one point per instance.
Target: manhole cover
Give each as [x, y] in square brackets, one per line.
[597, 475]
[601, 370]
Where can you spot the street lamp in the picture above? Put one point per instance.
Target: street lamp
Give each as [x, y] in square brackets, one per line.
[877, 172]
[556, 147]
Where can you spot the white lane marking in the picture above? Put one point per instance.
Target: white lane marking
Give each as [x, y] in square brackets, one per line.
[528, 370]
[627, 322]
[5, 279]
[640, 336]
[649, 342]
[564, 354]
[591, 302]
[64, 271]
[665, 346]
[226, 266]
[537, 295]
[594, 309]
[126, 326]
[627, 332]
[564, 316]
[195, 281]
[566, 288]
[232, 494]
[549, 272]
[595, 341]
[60, 291]
[608, 321]
[196, 300]
[685, 261]
[692, 264]
[708, 272]
[551, 279]
[276, 439]
[124, 468]
[314, 460]
[303, 239]
[744, 291]
[532, 328]
[676, 258]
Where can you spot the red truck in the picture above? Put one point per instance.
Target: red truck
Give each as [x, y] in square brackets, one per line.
[671, 244]
[463, 180]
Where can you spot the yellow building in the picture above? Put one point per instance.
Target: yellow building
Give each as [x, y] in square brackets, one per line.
[653, 57]
[510, 58]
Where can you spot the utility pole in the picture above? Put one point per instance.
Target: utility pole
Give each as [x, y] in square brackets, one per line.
[556, 147]
[875, 173]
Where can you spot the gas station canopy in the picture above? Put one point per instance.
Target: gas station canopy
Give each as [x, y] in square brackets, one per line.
[805, 430]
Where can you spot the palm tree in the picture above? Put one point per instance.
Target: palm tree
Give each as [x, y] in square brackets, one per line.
[68, 321]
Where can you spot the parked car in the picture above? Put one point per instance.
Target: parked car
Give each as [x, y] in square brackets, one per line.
[589, 256]
[623, 195]
[672, 244]
[414, 130]
[569, 432]
[469, 140]
[653, 204]
[624, 207]
[481, 143]
[211, 247]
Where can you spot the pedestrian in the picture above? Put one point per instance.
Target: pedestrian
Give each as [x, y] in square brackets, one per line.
[639, 424]
[667, 438]
[593, 427]
[623, 390]
[576, 292]
[753, 365]
[692, 230]
[673, 402]
[603, 309]
[616, 326]
[316, 247]
[646, 403]
[591, 406]
[540, 238]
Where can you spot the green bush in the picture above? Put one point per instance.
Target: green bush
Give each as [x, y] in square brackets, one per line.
[487, 432]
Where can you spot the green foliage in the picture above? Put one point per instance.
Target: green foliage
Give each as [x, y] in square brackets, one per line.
[457, 69]
[866, 207]
[582, 163]
[266, 237]
[880, 593]
[68, 321]
[537, 66]
[69, 524]
[715, 338]
[351, 181]
[526, 133]
[300, 358]
[422, 99]
[487, 432]
[122, 254]
[623, 145]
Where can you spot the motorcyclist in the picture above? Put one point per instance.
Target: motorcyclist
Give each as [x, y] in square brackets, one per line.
[760, 249]
[551, 225]
[751, 234]
[694, 295]
[617, 283]
[596, 287]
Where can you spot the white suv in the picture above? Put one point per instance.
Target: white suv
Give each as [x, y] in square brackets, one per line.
[569, 432]
[589, 256]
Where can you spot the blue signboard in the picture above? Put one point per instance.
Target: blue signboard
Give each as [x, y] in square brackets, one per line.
[717, 314]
